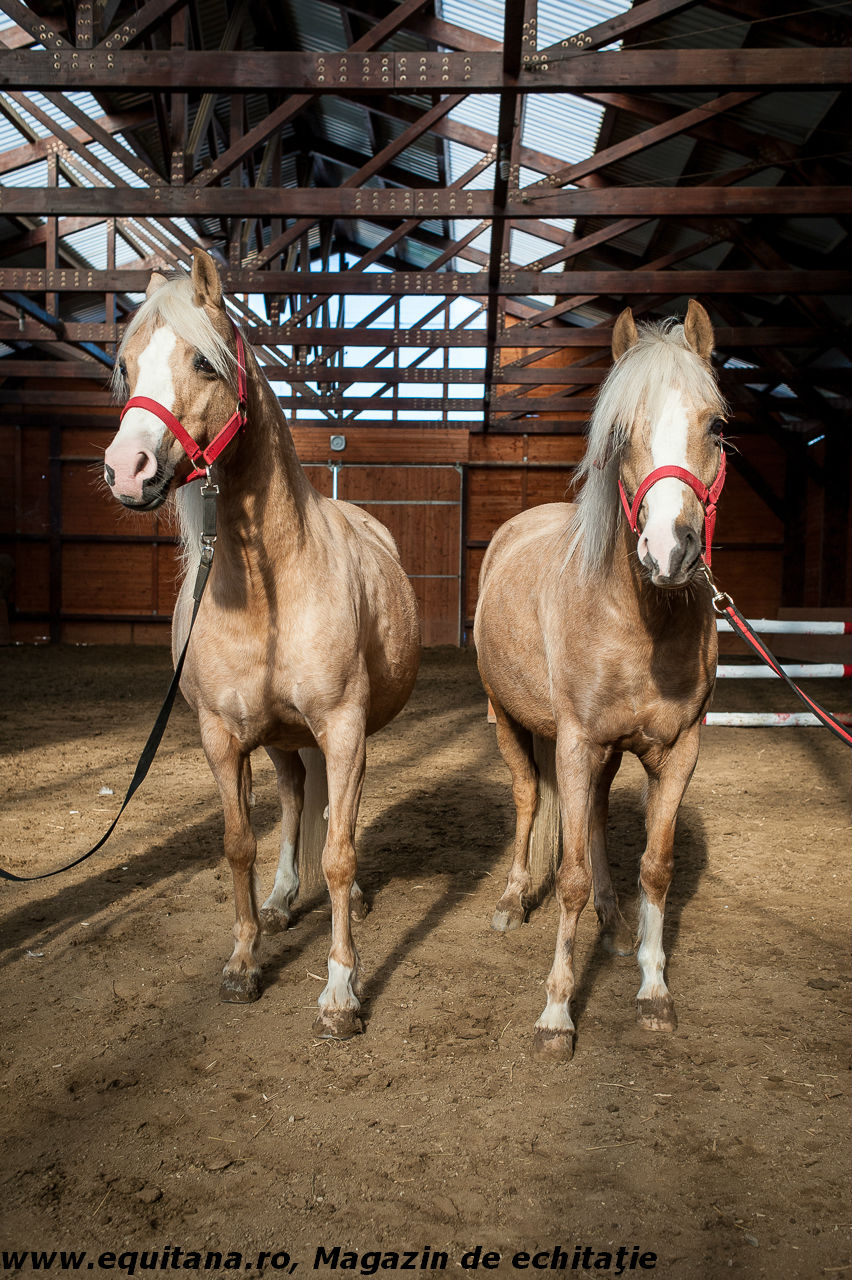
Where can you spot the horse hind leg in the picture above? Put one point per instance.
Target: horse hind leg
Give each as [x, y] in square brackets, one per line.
[516, 748]
[290, 774]
[303, 793]
[616, 935]
[231, 768]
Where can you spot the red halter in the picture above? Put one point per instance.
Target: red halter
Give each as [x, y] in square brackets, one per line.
[219, 442]
[707, 497]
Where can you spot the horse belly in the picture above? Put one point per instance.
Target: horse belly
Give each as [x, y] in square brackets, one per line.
[510, 645]
[392, 652]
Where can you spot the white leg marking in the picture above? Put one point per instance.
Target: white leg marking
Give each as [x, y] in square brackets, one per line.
[286, 880]
[652, 960]
[338, 992]
[555, 1018]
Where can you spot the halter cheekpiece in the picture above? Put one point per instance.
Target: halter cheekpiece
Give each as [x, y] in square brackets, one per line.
[708, 497]
[220, 441]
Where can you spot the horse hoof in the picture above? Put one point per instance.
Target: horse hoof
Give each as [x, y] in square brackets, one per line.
[506, 919]
[240, 988]
[273, 920]
[657, 1014]
[338, 1024]
[359, 907]
[553, 1046]
[618, 941]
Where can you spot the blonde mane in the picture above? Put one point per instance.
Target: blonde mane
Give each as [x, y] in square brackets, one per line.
[173, 304]
[639, 382]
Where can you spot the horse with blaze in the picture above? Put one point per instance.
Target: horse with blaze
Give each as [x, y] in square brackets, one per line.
[307, 636]
[591, 644]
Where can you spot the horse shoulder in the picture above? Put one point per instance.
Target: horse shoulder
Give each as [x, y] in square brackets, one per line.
[368, 527]
[522, 536]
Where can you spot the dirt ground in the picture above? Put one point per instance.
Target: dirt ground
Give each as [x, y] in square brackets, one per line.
[138, 1113]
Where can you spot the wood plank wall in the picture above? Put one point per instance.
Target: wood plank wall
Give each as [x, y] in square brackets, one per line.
[112, 575]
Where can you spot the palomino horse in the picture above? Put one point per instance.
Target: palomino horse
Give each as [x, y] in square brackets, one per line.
[307, 635]
[587, 640]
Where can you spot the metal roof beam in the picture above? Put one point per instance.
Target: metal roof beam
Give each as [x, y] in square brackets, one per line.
[306, 74]
[343, 202]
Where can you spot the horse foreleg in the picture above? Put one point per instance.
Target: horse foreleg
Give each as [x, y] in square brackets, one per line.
[231, 768]
[516, 748]
[578, 772]
[290, 772]
[667, 781]
[344, 745]
[615, 934]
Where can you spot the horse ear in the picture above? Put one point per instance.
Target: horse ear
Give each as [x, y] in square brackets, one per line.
[205, 278]
[698, 330]
[624, 335]
[156, 282]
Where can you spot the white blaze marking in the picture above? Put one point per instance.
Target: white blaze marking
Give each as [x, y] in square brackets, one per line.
[155, 381]
[651, 957]
[664, 499]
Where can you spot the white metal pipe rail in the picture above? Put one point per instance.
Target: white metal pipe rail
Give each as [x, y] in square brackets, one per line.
[800, 671]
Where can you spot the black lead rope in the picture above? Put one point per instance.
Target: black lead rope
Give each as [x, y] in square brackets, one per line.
[208, 537]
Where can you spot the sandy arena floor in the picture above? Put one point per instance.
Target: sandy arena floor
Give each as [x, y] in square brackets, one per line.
[141, 1114]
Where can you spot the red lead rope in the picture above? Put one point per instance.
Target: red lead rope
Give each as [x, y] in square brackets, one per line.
[220, 441]
[723, 604]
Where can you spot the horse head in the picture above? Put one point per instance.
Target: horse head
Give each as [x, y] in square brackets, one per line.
[668, 410]
[180, 369]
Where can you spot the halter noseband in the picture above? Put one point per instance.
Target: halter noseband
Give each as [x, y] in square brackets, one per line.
[708, 497]
[220, 441]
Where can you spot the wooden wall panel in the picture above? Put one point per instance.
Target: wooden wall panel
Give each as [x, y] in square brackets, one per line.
[376, 444]
[107, 578]
[32, 578]
[438, 602]
[9, 445]
[33, 510]
[88, 507]
[493, 496]
[400, 484]
[116, 577]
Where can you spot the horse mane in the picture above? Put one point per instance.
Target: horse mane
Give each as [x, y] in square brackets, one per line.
[659, 362]
[173, 304]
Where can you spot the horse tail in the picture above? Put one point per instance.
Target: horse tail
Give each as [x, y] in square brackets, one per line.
[314, 823]
[545, 836]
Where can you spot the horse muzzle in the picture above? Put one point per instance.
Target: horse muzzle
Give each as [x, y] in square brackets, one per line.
[678, 561]
[135, 477]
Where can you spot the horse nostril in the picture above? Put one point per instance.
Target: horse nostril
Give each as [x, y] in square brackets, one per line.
[109, 475]
[145, 465]
[691, 548]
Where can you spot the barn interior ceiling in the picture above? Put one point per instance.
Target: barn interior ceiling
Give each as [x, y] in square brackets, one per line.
[415, 205]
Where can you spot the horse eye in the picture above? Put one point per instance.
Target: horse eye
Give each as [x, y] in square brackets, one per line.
[203, 365]
[122, 369]
[717, 427]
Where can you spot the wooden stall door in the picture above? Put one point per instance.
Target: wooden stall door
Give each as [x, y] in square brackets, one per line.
[421, 506]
